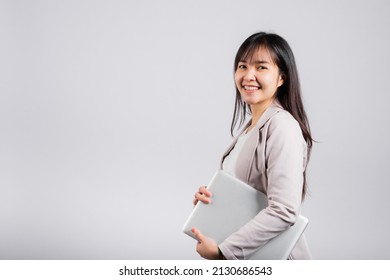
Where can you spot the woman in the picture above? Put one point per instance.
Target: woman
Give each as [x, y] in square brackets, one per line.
[271, 152]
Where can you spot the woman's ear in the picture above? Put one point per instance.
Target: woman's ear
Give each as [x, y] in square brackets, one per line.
[281, 80]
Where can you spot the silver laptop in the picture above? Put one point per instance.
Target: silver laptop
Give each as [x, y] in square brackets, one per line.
[234, 203]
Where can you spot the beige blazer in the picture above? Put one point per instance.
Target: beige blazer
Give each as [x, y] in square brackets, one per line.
[272, 160]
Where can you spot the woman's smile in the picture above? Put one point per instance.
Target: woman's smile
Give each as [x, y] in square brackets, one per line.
[250, 87]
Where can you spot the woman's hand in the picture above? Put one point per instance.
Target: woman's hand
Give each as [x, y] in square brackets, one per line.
[207, 248]
[202, 195]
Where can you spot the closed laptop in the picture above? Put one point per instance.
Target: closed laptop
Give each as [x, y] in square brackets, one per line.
[233, 204]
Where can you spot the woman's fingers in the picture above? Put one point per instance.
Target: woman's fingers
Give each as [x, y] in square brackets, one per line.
[199, 236]
[205, 191]
[202, 195]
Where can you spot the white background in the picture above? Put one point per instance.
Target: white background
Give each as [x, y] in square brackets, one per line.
[112, 113]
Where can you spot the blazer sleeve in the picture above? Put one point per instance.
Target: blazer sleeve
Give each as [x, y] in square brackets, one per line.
[284, 164]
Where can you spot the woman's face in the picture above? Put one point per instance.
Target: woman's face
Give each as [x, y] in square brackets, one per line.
[258, 79]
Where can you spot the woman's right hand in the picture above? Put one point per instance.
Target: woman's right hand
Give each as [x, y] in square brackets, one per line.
[202, 195]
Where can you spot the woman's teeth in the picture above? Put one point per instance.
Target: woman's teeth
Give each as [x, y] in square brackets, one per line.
[251, 88]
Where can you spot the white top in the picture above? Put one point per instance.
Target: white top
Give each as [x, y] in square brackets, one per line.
[230, 161]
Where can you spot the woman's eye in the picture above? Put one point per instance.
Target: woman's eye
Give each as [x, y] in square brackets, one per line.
[241, 66]
[261, 67]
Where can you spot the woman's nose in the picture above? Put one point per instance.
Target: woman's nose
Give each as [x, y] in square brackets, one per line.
[250, 75]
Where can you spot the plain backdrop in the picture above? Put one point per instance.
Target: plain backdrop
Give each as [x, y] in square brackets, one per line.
[112, 113]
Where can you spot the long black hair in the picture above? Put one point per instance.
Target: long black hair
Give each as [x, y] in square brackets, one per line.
[288, 94]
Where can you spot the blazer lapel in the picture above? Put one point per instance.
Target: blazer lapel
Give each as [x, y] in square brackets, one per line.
[245, 159]
[271, 110]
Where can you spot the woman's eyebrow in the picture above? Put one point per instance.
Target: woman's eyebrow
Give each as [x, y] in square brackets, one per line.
[262, 62]
[256, 61]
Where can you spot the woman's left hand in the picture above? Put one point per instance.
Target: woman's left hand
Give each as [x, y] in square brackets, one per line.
[207, 248]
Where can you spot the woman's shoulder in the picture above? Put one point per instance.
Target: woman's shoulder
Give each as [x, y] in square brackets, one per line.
[283, 122]
[283, 116]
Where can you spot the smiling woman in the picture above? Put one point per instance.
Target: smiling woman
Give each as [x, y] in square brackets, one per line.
[272, 151]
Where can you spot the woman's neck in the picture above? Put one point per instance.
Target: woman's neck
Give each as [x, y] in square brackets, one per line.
[258, 110]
